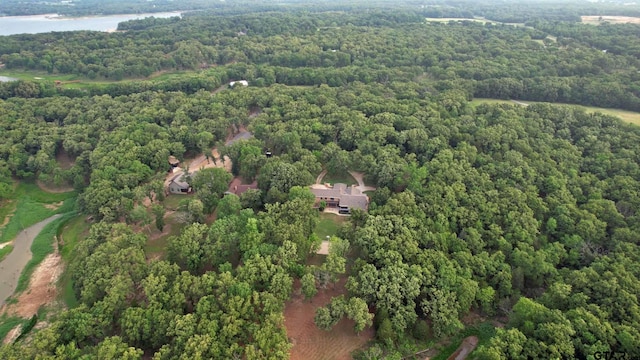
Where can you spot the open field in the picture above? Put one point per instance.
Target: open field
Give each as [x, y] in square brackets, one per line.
[78, 82]
[483, 21]
[596, 20]
[626, 116]
[476, 19]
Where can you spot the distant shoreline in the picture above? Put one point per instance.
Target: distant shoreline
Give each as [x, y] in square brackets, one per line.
[53, 16]
[44, 23]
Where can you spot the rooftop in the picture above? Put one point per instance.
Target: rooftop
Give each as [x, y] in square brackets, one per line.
[347, 196]
[177, 179]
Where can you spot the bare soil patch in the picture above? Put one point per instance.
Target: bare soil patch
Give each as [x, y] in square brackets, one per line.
[254, 111]
[64, 160]
[12, 335]
[467, 346]
[42, 287]
[201, 162]
[13, 264]
[54, 206]
[610, 19]
[472, 318]
[50, 188]
[310, 342]
[324, 248]
[198, 163]
[166, 230]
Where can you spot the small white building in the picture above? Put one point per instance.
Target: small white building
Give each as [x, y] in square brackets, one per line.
[239, 82]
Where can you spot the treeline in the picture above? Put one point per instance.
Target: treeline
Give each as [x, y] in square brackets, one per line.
[619, 39]
[605, 92]
[530, 10]
[312, 49]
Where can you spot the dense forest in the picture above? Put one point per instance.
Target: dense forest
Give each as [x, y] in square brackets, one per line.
[496, 61]
[528, 215]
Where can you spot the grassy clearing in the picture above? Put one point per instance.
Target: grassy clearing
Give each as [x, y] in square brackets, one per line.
[37, 75]
[41, 247]
[344, 178]
[30, 208]
[598, 20]
[626, 116]
[446, 20]
[71, 233]
[172, 202]
[81, 82]
[328, 225]
[168, 75]
[6, 208]
[480, 101]
[476, 19]
[484, 331]
[158, 246]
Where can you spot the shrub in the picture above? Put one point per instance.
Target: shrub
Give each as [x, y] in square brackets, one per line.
[386, 333]
[421, 330]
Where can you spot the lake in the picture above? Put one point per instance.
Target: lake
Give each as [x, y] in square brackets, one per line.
[34, 24]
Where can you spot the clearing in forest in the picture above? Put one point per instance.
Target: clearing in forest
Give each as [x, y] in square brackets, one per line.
[596, 20]
[475, 19]
[310, 342]
[626, 116]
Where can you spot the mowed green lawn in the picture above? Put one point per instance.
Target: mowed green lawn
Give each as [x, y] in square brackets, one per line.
[328, 225]
[626, 116]
[344, 178]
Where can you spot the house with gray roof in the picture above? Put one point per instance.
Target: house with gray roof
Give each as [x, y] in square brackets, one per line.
[341, 196]
[178, 185]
